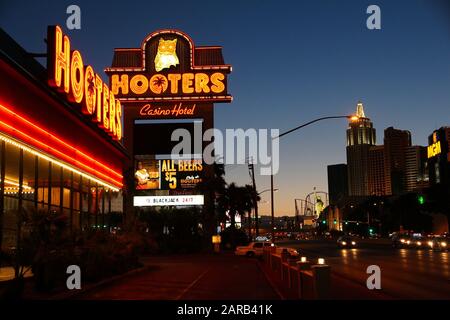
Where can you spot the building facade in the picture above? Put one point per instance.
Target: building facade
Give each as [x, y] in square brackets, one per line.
[54, 157]
[361, 136]
[439, 157]
[416, 169]
[396, 143]
[377, 181]
[337, 182]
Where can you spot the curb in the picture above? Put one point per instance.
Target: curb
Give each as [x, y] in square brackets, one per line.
[272, 284]
[72, 294]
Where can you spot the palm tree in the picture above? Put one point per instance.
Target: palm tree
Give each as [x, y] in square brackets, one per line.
[215, 206]
[159, 82]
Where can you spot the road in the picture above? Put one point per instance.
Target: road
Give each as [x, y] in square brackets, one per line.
[405, 273]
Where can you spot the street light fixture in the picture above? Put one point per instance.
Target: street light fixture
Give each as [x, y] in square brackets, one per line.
[351, 117]
[256, 210]
[274, 190]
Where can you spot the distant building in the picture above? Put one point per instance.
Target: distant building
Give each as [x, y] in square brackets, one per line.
[361, 136]
[416, 173]
[377, 181]
[396, 143]
[337, 182]
[439, 157]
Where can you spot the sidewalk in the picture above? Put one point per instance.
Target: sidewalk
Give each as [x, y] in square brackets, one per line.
[191, 277]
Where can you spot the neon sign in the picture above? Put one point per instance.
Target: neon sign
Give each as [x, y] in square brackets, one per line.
[173, 83]
[68, 74]
[168, 67]
[434, 149]
[177, 110]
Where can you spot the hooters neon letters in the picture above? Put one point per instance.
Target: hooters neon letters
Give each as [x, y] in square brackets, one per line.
[68, 74]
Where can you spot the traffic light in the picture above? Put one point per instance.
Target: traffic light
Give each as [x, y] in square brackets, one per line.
[370, 230]
[334, 222]
[421, 199]
[346, 222]
[324, 222]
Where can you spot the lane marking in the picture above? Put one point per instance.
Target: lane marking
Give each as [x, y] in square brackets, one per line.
[192, 284]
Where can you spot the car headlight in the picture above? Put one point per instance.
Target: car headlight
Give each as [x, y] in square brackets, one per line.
[443, 243]
[408, 242]
[402, 240]
[344, 243]
[353, 243]
[419, 243]
[430, 243]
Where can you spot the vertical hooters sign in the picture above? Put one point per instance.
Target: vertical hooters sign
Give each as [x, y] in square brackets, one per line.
[68, 74]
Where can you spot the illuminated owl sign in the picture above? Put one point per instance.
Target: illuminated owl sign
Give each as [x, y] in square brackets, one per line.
[167, 54]
[168, 67]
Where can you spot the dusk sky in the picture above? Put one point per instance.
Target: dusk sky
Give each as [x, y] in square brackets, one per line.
[293, 61]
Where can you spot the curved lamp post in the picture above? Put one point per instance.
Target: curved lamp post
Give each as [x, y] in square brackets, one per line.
[272, 209]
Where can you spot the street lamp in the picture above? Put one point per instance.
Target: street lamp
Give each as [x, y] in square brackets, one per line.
[274, 190]
[256, 210]
[272, 209]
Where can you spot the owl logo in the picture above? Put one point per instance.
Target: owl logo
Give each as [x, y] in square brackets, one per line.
[167, 55]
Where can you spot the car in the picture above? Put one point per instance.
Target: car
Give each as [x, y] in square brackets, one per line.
[401, 241]
[346, 242]
[439, 243]
[253, 249]
[418, 242]
[291, 252]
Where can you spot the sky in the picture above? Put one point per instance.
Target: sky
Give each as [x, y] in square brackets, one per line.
[293, 61]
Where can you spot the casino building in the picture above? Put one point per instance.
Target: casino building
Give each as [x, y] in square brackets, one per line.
[60, 138]
[438, 154]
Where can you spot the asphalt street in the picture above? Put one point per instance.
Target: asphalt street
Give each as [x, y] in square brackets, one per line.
[405, 273]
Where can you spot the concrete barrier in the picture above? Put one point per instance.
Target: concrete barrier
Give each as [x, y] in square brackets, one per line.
[305, 280]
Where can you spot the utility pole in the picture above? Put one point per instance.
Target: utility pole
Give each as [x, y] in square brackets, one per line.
[251, 167]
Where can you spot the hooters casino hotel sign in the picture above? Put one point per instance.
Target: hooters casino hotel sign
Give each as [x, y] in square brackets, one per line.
[169, 68]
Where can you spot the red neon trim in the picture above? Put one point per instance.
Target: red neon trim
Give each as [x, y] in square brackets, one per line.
[107, 173]
[87, 157]
[63, 155]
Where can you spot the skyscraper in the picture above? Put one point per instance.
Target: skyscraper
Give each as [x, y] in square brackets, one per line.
[416, 173]
[396, 143]
[377, 181]
[337, 182]
[361, 136]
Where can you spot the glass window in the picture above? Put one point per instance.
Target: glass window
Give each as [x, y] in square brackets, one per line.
[42, 185]
[29, 176]
[56, 174]
[67, 184]
[12, 170]
[10, 214]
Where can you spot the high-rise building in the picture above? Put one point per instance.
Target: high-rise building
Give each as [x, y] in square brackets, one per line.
[361, 136]
[377, 182]
[416, 174]
[438, 154]
[396, 143]
[337, 182]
